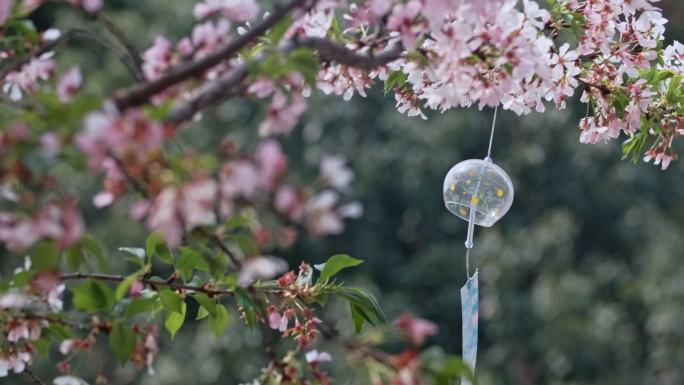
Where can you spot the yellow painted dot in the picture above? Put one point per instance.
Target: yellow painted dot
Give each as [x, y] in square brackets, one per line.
[499, 193]
[462, 211]
[452, 188]
[474, 200]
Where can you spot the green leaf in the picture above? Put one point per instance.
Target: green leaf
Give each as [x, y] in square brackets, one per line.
[45, 256]
[92, 248]
[202, 313]
[673, 89]
[189, 260]
[243, 301]
[206, 302]
[123, 287]
[156, 244]
[171, 300]
[357, 319]
[362, 304]
[137, 253]
[174, 320]
[235, 222]
[304, 61]
[247, 245]
[220, 321]
[57, 331]
[454, 368]
[74, 257]
[140, 305]
[122, 341]
[396, 79]
[42, 345]
[277, 31]
[93, 295]
[336, 263]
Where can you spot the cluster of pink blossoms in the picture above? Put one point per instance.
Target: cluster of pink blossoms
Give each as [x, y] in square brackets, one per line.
[128, 146]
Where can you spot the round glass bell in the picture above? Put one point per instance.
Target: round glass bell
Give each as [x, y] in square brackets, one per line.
[478, 187]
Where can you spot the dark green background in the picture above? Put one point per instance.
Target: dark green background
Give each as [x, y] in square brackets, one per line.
[581, 283]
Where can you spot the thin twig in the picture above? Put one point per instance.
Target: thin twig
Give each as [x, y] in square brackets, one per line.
[147, 281]
[338, 53]
[230, 83]
[17, 63]
[34, 379]
[125, 42]
[217, 241]
[140, 93]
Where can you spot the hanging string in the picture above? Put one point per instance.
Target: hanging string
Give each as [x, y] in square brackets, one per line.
[491, 135]
[471, 220]
[468, 264]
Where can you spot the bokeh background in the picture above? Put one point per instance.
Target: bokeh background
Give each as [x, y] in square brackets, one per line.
[581, 283]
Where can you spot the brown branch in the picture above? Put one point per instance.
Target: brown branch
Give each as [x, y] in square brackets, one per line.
[230, 83]
[338, 53]
[79, 33]
[125, 43]
[604, 89]
[140, 93]
[215, 92]
[147, 281]
[34, 379]
[17, 63]
[217, 241]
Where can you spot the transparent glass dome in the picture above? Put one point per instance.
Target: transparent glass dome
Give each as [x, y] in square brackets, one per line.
[478, 186]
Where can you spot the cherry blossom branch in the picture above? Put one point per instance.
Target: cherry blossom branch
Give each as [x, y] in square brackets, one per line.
[218, 90]
[147, 281]
[217, 241]
[140, 93]
[33, 377]
[226, 86]
[604, 89]
[330, 50]
[125, 43]
[51, 45]
[14, 65]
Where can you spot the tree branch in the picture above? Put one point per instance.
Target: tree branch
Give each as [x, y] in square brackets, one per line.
[229, 84]
[16, 64]
[148, 281]
[34, 379]
[125, 43]
[140, 93]
[218, 90]
[338, 53]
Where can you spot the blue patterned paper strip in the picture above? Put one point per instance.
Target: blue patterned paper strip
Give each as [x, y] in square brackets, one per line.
[470, 303]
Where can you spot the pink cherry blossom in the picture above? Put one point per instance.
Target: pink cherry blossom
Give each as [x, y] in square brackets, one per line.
[283, 114]
[314, 357]
[402, 20]
[272, 163]
[416, 329]
[158, 58]
[208, 35]
[260, 268]
[290, 201]
[90, 6]
[69, 84]
[335, 173]
[5, 10]
[236, 10]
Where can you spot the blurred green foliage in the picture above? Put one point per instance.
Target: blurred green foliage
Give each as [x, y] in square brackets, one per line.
[581, 282]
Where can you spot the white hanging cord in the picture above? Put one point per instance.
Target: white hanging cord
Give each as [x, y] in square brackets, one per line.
[467, 264]
[491, 135]
[469, 243]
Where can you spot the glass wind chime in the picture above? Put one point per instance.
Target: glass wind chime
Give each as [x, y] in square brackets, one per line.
[480, 192]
